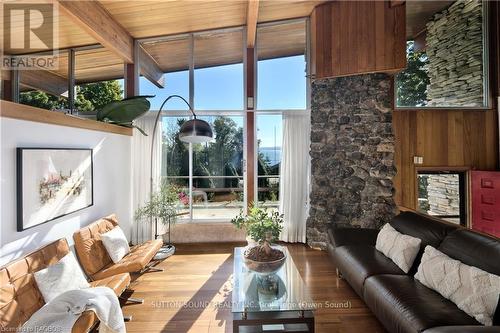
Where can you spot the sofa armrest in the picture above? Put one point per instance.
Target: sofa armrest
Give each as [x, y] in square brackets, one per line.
[463, 329]
[352, 236]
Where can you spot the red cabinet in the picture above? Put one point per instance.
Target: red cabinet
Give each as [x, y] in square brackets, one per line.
[485, 200]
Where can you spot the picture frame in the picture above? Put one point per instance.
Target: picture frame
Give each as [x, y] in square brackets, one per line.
[52, 183]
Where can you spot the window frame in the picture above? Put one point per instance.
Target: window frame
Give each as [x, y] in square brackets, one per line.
[463, 174]
[488, 103]
[244, 112]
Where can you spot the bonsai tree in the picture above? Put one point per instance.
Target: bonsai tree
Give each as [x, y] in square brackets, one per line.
[264, 227]
[162, 205]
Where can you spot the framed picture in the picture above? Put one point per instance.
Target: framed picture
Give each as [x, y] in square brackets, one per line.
[52, 183]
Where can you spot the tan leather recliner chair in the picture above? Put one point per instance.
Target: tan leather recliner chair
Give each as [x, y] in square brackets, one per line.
[20, 296]
[95, 259]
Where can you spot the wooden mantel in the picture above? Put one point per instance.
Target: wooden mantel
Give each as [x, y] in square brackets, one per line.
[30, 113]
[356, 37]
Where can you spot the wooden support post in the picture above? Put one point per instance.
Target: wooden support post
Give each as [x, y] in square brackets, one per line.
[252, 17]
[250, 128]
[131, 81]
[7, 85]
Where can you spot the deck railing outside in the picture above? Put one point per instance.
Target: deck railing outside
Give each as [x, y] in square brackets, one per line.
[222, 197]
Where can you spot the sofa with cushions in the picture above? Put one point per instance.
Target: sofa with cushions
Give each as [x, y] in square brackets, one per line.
[398, 299]
[20, 296]
[96, 260]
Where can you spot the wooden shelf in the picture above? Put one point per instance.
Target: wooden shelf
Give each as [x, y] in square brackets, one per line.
[30, 113]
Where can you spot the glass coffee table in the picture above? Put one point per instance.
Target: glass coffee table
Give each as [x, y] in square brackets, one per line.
[273, 303]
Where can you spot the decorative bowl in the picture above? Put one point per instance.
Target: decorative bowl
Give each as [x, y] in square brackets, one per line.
[264, 267]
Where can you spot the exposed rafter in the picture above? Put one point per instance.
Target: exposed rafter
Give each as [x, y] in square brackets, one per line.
[45, 81]
[93, 18]
[252, 16]
[150, 69]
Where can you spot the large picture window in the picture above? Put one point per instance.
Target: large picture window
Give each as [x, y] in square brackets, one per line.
[281, 67]
[208, 70]
[218, 71]
[269, 138]
[446, 64]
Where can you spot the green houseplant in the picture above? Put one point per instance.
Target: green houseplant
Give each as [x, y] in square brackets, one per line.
[264, 227]
[161, 206]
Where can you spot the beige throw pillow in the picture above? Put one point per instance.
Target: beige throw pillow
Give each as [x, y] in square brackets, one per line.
[116, 244]
[400, 248]
[473, 290]
[63, 276]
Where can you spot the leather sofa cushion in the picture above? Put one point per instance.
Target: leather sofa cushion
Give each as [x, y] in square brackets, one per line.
[403, 304]
[89, 247]
[117, 282]
[473, 249]
[19, 293]
[357, 263]
[139, 256]
[431, 231]
[352, 236]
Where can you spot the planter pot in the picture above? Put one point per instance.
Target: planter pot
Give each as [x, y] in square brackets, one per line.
[264, 267]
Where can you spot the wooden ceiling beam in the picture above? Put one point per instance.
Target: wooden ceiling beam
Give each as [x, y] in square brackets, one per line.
[150, 69]
[45, 81]
[252, 17]
[95, 19]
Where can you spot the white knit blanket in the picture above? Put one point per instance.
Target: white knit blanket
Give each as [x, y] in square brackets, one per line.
[60, 314]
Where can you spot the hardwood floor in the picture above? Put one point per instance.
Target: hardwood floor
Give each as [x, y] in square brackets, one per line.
[193, 293]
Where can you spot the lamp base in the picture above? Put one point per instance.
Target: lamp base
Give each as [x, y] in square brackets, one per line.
[164, 252]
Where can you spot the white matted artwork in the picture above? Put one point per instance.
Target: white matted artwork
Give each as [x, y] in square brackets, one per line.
[51, 183]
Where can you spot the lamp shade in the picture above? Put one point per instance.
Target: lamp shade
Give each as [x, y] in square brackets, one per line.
[195, 131]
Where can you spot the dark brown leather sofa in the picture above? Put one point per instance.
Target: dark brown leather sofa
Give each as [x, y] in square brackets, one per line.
[400, 302]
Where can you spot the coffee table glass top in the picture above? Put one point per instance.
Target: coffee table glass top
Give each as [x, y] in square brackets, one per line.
[283, 291]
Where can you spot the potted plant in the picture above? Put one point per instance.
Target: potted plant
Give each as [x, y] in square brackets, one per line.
[162, 206]
[264, 227]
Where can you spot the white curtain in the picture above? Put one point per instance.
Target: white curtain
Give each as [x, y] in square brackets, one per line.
[141, 172]
[294, 184]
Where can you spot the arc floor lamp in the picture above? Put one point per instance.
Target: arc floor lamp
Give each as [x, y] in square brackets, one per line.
[192, 131]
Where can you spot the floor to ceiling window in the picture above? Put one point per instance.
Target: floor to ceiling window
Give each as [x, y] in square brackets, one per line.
[281, 88]
[210, 178]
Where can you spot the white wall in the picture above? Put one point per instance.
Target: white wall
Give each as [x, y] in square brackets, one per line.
[112, 182]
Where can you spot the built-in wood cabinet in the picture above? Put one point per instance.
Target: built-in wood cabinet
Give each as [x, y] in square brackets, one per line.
[355, 37]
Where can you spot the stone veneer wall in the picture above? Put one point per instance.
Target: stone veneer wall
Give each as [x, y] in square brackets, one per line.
[455, 50]
[352, 154]
[443, 194]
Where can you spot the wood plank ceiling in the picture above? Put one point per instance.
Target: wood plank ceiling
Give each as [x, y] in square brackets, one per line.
[142, 19]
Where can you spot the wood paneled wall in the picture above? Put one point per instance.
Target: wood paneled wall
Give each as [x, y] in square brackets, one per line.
[444, 138]
[354, 37]
[449, 138]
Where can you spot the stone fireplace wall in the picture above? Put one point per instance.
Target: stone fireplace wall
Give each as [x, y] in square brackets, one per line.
[352, 154]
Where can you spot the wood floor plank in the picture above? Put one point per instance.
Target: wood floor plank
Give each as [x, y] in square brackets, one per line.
[193, 293]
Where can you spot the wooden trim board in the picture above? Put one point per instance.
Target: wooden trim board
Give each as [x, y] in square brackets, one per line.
[30, 113]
